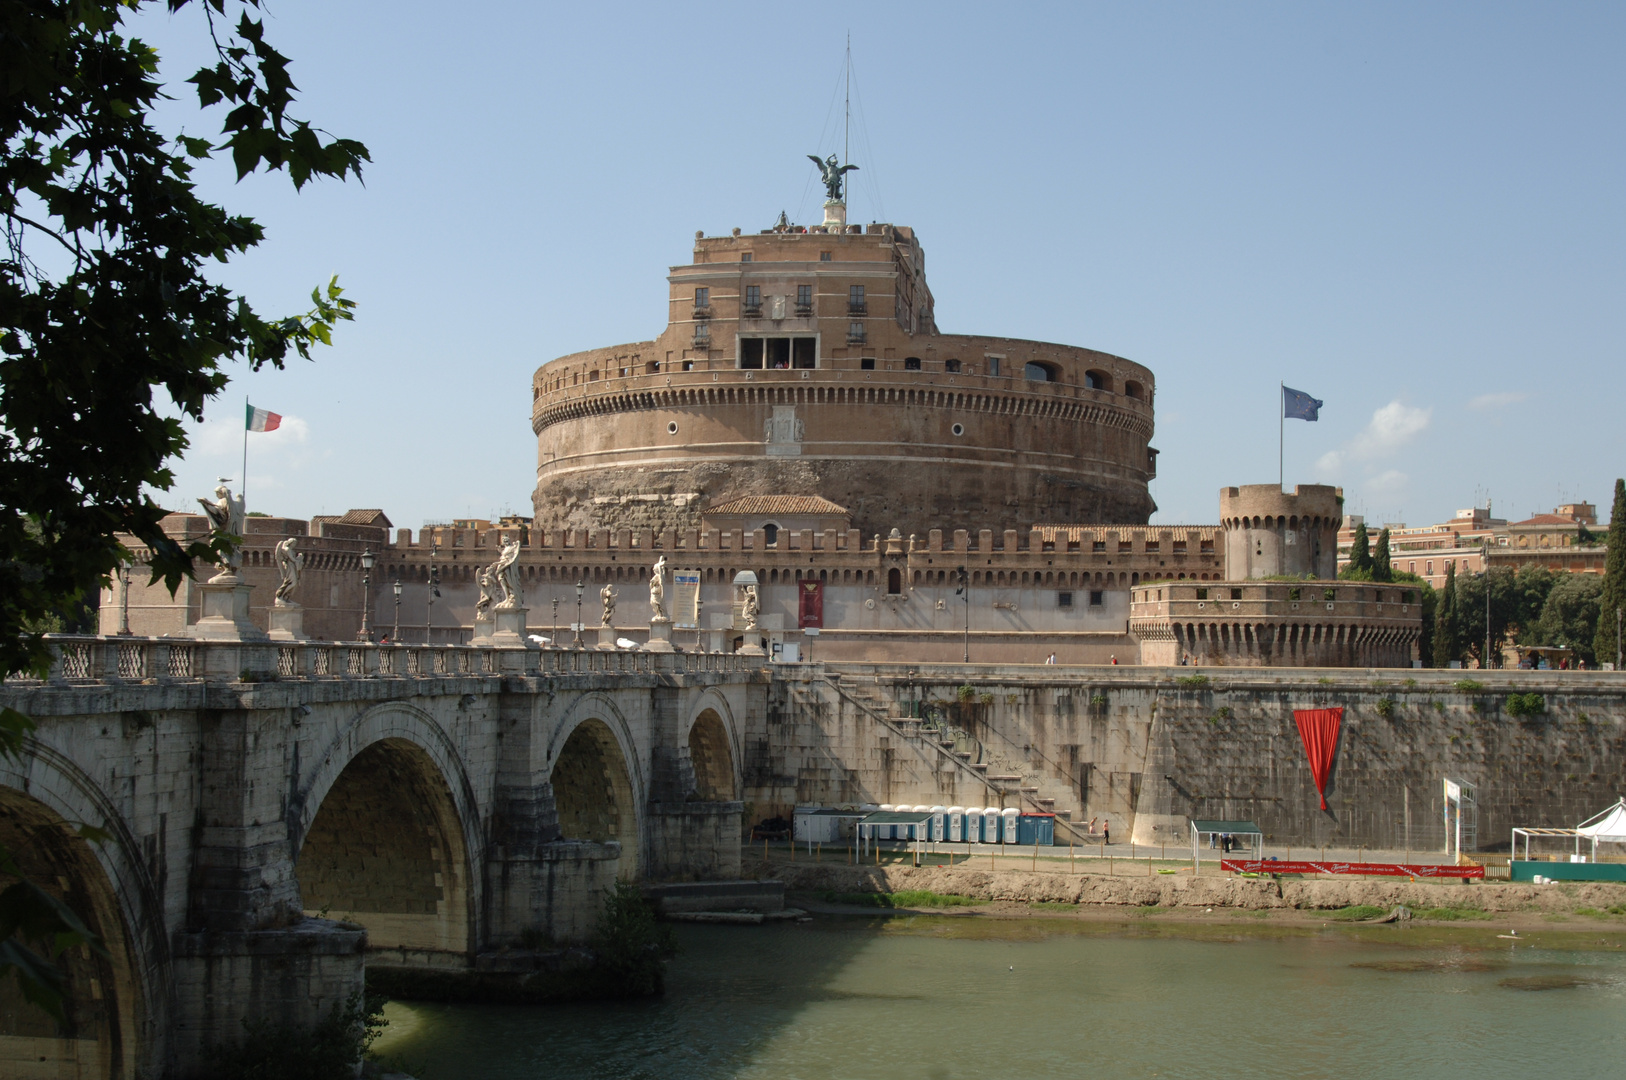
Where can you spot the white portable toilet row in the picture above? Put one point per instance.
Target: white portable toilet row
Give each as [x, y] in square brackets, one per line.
[979, 824]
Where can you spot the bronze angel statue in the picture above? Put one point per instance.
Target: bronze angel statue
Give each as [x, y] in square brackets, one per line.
[832, 173]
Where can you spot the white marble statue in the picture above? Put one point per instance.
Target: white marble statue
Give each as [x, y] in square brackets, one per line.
[505, 572]
[657, 590]
[290, 562]
[752, 607]
[482, 609]
[227, 515]
[607, 596]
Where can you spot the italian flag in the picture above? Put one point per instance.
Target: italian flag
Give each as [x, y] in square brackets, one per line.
[263, 419]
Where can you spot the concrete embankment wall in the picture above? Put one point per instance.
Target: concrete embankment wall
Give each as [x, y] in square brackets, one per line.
[1147, 748]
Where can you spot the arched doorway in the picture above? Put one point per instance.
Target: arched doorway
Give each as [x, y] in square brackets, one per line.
[386, 850]
[592, 795]
[711, 758]
[98, 1033]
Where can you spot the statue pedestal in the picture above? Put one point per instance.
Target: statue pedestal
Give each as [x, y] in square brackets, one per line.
[752, 634]
[606, 639]
[483, 627]
[509, 627]
[660, 635]
[225, 611]
[287, 622]
[835, 215]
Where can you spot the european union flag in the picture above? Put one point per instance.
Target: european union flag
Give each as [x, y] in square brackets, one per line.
[1297, 405]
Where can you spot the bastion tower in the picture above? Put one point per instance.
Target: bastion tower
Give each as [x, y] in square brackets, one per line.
[807, 361]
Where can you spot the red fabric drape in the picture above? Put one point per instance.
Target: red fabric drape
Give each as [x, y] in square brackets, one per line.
[1319, 730]
[811, 610]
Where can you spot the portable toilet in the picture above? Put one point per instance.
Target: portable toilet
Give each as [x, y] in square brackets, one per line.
[990, 824]
[886, 832]
[1036, 829]
[925, 831]
[939, 823]
[956, 824]
[973, 824]
[1008, 819]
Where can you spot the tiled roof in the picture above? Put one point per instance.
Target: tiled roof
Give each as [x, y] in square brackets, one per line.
[1546, 519]
[375, 518]
[1176, 532]
[779, 504]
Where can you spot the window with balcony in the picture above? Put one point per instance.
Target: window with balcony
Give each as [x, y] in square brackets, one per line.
[855, 300]
[702, 297]
[778, 352]
[753, 300]
[855, 333]
[804, 299]
[702, 334]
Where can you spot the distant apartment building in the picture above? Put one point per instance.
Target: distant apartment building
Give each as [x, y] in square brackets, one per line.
[1562, 540]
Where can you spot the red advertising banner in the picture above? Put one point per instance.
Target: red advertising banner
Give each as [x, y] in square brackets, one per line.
[1319, 730]
[810, 612]
[1421, 870]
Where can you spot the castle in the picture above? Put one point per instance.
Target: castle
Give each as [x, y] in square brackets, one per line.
[891, 492]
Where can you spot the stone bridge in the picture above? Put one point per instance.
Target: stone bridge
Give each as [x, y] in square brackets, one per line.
[281, 814]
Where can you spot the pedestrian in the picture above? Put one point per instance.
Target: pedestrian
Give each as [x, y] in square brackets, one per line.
[1115, 661]
[1052, 659]
[1106, 832]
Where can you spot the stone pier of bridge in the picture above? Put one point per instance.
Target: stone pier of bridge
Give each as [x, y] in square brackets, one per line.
[282, 815]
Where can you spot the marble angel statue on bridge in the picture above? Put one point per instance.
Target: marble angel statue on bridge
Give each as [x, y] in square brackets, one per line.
[657, 590]
[290, 563]
[227, 515]
[607, 596]
[505, 575]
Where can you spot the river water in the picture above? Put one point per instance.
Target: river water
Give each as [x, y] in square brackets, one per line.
[934, 998]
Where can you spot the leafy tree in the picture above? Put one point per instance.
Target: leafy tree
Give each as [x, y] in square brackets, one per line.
[1382, 570]
[1446, 642]
[1426, 599]
[103, 302]
[1507, 612]
[1614, 580]
[1360, 553]
[1570, 615]
[103, 296]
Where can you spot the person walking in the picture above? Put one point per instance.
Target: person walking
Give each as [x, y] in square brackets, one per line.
[1106, 832]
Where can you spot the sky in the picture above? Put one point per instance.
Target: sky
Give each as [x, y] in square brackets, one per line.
[1411, 211]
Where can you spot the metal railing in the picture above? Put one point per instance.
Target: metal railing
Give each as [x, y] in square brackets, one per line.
[83, 659]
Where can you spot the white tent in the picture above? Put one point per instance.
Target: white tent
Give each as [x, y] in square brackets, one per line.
[1608, 827]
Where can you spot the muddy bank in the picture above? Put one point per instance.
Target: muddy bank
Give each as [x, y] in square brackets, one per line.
[1177, 891]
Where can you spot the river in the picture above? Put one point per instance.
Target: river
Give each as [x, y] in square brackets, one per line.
[935, 998]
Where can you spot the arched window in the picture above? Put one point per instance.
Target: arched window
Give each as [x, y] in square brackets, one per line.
[770, 534]
[1133, 389]
[911, 363]
[1097, 380]
[894, 582]
[1034, 371]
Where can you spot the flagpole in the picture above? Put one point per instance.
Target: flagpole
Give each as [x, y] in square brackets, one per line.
[1281, 435]
[242, 486]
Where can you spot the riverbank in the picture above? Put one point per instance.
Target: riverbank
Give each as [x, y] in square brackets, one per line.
[1100, 893]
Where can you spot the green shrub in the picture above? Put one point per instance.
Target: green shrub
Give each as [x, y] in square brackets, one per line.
[1409, 684]
[1386, 707]
[328, 1050]
[1192, 680]
[965, 693]
[1467, 686]
[1525, 705]
[1357, 913]
[1221, 714]
[631, 945]
[1099, 700]
[985, 699]
[907, 898]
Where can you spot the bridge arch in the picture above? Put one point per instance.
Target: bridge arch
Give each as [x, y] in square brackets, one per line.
[714, 750]
[117, 1007]
[597, 783]
[386, 832]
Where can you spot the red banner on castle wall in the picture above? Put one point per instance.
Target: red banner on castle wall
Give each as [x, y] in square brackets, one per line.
[811, 609]
[1420, 870]
[1319, 730]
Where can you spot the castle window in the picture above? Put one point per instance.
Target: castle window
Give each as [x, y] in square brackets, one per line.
[1064, 599]
[911, 363]
[1152, 547]
[824, 256]
[1097, 380]
[804, 296]
[1097, 598]
[702, 334]
[1202, 594]
[894, 582]
[951, 366]
[1133, 389]
[855, 300]
[702, 297]
[1034, 371]
[993, 364]
[1125, 547]
[753, 296]
[855, 333]
[770, 534]
[1292, 594]
[802, 353]
[1099, 547]
[750, 352]
[867, 363]
[745, 256]
[1072, 545]
[1205, 547]
[1236, 594]
[1179, 547]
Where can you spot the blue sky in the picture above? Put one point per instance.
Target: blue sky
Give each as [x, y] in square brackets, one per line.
[1412, 211]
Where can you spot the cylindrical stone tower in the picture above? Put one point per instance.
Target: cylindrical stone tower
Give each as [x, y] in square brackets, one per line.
[1269, 533]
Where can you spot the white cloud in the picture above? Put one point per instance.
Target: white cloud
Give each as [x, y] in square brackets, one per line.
[1498, 400]
[1390, 429]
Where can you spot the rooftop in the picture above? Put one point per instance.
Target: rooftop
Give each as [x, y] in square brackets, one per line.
[803, 505]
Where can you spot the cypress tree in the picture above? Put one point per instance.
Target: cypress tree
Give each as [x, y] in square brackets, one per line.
[1614, 579]
[1360, 551]
[1446, 648]
[1381, 569]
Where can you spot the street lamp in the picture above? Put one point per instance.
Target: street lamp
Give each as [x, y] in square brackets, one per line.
[395, 630]
[699, 623]
[433, 592]
[964, 593]
[367, 558]
[124, 600]
[554, 640]
[578, 627]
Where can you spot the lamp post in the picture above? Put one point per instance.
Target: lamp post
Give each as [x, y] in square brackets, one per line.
[554, 640]
[1618, 611]
[580, 585]
[367, 558]
[1484, 564]
[964, 593]
[395, 628]
[124, 600]
[433, 592]
[699, 623]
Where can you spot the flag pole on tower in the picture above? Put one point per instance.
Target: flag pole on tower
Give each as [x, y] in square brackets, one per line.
[255, 420]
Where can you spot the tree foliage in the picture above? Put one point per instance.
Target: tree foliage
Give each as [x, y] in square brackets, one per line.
[105, 306]
[1569, 617]
[1613, 597]
[1382, 568]
[1447, 644]
[1360, 554]
[104, 302]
